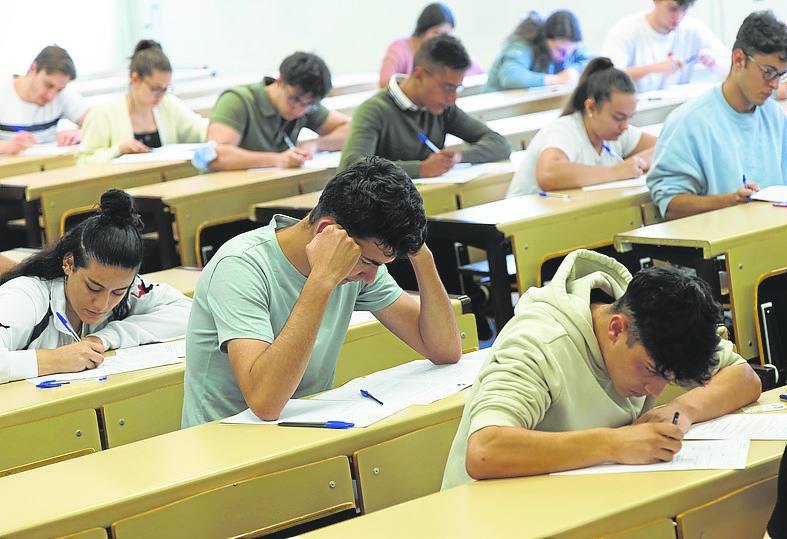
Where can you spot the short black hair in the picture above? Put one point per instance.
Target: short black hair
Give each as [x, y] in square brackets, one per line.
[308, 72]
[685, 3]
[674, 316]
[54, 59]
[442, 51]
[762, 33]
[433, 15]
[375, 199]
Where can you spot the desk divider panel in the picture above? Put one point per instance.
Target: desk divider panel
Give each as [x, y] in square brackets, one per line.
[142, 416]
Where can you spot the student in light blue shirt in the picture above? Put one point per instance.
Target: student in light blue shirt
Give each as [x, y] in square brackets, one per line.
[540, 53]
[707, 146]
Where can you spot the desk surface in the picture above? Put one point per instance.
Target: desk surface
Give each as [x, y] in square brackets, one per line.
[714, 232]
[560, 506]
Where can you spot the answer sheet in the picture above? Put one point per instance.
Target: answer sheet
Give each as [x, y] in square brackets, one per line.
[772, 193]
[134, 358]
[742, 427]
[633, 182]
[463, 173]
[695, 455]
[168, 152]
[45, 150]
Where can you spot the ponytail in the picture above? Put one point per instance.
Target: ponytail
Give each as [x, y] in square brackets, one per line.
[599, 79]
[111, 237]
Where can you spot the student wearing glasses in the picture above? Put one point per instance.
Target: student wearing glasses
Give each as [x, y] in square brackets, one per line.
[540, 53]
[436, 19]
[661, 47]
[32, 105]
[423, 103]
[717, 150]
[257, 125]
[145, 117]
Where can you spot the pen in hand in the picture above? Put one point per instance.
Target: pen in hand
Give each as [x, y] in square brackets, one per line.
[429, 144]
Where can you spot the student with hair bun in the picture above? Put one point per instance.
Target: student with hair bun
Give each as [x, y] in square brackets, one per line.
[145, 117]
[435, 19]
[540, 53]
[592, 141]
[90, 278]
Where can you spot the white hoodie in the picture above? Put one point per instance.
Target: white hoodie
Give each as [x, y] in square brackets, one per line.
[546, 371]
[157, 312]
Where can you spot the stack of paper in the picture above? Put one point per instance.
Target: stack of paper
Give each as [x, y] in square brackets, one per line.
[417, 382]
[772, 193]
[44, 150]
[741, 427]
[126, 360]
[463, 173]
[168, 152]
[620, 184]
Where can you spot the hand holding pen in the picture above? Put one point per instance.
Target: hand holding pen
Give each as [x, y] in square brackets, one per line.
[83, 354]
[633, 167]
[293, 157]
[439, 162]
[744, 193]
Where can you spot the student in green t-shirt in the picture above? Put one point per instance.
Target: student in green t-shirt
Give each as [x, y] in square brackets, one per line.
[272, 307]
[257, 125]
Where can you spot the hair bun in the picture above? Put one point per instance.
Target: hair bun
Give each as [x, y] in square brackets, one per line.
[117, 207]
[147, 44]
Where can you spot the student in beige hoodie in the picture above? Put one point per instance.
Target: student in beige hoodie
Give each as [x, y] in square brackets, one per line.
[572, 378]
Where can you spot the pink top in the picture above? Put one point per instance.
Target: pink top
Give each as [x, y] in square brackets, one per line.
[399, 59]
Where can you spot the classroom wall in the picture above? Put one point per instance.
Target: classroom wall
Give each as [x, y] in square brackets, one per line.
[238, 36]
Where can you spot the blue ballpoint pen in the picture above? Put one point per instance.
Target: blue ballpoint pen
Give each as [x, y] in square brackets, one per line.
[368, 395]
[68, 326]
[288, 141]
[611, 152]
[429, 144]
[553, 195]
[57, 383]
[318, 424]
[745, 185]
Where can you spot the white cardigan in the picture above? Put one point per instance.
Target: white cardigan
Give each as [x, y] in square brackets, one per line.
[157, 312]
[108, 126]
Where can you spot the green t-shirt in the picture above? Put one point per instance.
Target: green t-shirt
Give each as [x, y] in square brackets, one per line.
[247, 291]
[249, 111]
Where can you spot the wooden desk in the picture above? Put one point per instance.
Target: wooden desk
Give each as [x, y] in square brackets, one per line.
[19, 254]
[182, 278]
[192, 201]
[53, 192]
[174, 466]
[536, 226]
[560, 506]
[11, 165]
[752, 237]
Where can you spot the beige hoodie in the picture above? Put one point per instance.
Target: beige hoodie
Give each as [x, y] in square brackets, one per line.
[546, 371]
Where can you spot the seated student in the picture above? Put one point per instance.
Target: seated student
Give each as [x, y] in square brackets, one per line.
[572, 378]
[272, 307]
[436, 19]
[31, 105]
[257, 125]
[389, 123]
[540, 53]
[145, 117]
[660, 47]
[710, 144]
[592, 141]
[777, 526]
[89, 277]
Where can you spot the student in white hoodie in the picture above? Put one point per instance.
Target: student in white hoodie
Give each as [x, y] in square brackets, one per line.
[572, 378]
[90, 278]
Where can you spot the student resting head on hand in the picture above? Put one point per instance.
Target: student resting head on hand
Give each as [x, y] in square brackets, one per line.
[592, 142]
[540, 53]
[147, 116]
[90, 278]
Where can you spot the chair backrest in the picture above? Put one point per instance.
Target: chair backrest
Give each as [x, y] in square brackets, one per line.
[770, 313]
[213, 234]
[548, 265]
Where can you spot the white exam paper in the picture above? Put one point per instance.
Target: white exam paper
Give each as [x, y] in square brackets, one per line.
[168, 152]
[742, 427]
[620, 184]
[463, 173]
[772, 193]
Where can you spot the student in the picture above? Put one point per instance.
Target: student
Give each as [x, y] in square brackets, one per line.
[572, 378]
[31, 105]
[271, 309]
[256, 125]
[90, 277]
[592, 141]
[436, 19]
[389, 123]
[708, 145]
[660, 47]
[777, 526]
[145, 117]
[540, 53]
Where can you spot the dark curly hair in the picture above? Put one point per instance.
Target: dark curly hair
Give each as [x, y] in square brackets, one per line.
[308, 72]
[674, 316]
[112, 237]
[442, 51]
[375, 199]
[762, 33]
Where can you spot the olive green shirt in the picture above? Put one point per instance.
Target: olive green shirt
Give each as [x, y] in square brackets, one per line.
[388, 125]
[249, 111]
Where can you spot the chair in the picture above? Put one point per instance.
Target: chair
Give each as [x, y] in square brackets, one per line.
[213, 234]
[770, 316]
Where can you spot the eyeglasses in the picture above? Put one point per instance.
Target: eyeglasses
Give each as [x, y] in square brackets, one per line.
[447, 88]
[297, 100]
[158, 90]
[769, 73]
